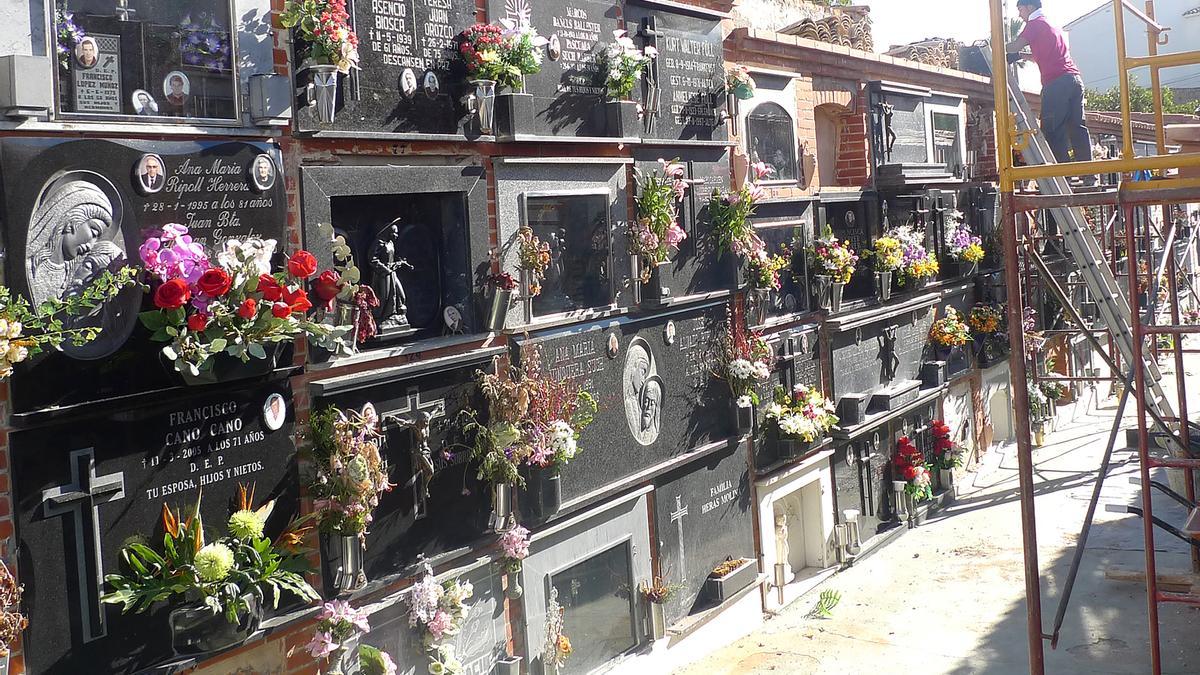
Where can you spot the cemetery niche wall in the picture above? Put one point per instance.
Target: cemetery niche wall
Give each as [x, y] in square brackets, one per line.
[902, 142]
[683, 93]
[438, 509]
[87, 485]
[409, 80]
[853, 217]
[417, 233]
[653, 381]
[797, 351]
[74, 207]
[702, 518]
[786, 227]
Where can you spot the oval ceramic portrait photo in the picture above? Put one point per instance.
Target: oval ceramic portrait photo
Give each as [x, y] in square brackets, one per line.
[262, 173]
[149, 174]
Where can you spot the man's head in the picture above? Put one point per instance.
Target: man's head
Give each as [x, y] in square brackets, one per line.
[176, 84]
[1027, 7]
[153, 168]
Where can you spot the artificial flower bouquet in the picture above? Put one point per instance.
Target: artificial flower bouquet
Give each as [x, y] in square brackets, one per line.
[946, 453]
[230, 302]
[514, 548]
[534, 420]
[911, 467]
[27, 330]
[323, 31]
[730, 213]
[557, 648]
[350, 475]
[984, 319]
[338, 624]
[503, 53]
[655, 232]
[745, 363]
[739, 81]
[437, 610]
[345, 278]
[832, 258]
[12, 621]
[950, 330]
[886, 254]
[962, 244]
[765, 270]
[623, 64]
[533, 259]
[805, 414]
[917, 262]
[220, 573]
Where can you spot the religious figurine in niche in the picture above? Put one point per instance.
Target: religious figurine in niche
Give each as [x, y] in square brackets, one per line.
[552, 284]
[888, 352]
[274, 411]
[150, 174]
[177, 89]
[386, 264]
[87, 53]
[408, 83]
[642, 391]
[262, 173]
[888, 111]
[74, 236]
[419, 423]
[143, 103]
[782, 546]
[432, 86]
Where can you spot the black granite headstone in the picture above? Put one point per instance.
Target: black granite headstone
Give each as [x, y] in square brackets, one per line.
[569, 90]
[51, 186]
[409, 78]
[856, 222]
[697, 267]
[653, 379]
[701, 517]
[880, 353]
[689, 72]
[84, 488]
[898, 121]
[454, 515]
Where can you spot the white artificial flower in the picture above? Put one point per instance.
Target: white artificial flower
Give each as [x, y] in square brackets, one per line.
[741, 369]
[3, 326]
[775, 410]
[14, 330]
[17, 353]
[744, 401]
[562, 440]
[761, 371]
[650, 52]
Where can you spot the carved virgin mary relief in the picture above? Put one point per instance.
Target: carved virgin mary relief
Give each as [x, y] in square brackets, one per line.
[643, 392]
[74, 236]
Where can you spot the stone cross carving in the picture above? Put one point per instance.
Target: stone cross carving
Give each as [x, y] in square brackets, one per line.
[417, 417]
[789, 355]
[649, 31]
[81, 500]
[122, 11]
[677, 518]
[888, 352]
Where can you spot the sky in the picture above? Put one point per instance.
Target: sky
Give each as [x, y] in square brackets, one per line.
[896, 22]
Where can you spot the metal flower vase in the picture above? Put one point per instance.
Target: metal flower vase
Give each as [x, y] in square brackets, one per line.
[946, 478]
[498, 311]
[743, 417]
[513, 588]
[482, 103]
[501, 506]
[345, 660]
[658, 620]
[822, 286]
[322, 91]
[350, 575]
[835, 296]
[883, 286]
[196, 629]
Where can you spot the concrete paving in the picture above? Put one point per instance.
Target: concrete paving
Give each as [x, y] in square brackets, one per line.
[949, 596]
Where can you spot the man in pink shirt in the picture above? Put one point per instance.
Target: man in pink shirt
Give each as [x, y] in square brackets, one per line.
[1062, 88]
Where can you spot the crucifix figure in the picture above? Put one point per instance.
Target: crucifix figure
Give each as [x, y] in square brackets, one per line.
[888, 352]
[80, 500]
[418, 417]
[122, 11]
[653, 90]
[677, 518]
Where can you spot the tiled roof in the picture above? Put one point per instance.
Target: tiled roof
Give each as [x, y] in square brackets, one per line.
[1195, 11]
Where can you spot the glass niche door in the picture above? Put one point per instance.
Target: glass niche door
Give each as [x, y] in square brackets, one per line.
[598, 602]
[575, 228]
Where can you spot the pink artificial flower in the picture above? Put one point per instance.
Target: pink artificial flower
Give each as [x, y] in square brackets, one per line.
[438, 625]
[761, 170]
[148, 251]
[321, 645]
[672, 169]
[389, 666]
[754, 192]
[675, 235]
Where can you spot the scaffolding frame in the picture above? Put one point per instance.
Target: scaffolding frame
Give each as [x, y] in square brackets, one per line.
[1127, 201]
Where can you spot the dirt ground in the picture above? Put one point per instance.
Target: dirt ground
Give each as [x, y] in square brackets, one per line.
[948, 596]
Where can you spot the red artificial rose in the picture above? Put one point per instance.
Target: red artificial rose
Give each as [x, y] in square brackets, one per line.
[197, 322]
[327, 286]
[910, 473]
[297, 300]
[172, 294]
[302, 264]
[214, 283]
[270, 288]
[281, 310]
[248, 309]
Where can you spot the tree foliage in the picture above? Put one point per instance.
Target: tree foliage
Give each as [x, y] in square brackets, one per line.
[1141, 99]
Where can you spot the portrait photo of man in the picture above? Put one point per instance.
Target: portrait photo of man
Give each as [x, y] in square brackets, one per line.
[176, 88]
[274, 412]
[87, 53]
[150, 174]
[408, 83]
[262, 172]
[144, 103]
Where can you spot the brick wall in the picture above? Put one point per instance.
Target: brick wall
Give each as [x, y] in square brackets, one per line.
[853, 157]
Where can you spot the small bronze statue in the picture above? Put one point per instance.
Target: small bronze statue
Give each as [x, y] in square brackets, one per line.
[386, 264]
